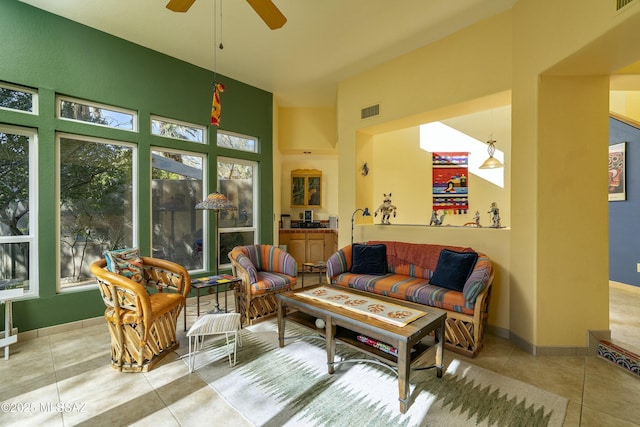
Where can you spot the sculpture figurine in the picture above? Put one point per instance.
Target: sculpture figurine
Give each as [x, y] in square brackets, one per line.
[386, 208]
[435, 220]
[495, 215]
[476, 218]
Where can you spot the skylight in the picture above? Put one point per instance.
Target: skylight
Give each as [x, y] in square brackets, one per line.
[437, 136]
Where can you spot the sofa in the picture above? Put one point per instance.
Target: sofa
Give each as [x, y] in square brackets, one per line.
[265, 271]
[452, 278]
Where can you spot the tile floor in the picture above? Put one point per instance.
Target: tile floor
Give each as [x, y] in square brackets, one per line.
[72, 368]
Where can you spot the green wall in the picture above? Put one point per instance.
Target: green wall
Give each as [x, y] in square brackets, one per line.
[58, 56]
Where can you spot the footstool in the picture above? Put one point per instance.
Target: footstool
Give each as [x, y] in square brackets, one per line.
[215, 324]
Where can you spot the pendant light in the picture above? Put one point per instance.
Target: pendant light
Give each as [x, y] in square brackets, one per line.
[491, 162]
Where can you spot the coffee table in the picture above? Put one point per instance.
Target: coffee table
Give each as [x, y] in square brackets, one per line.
[345, 326]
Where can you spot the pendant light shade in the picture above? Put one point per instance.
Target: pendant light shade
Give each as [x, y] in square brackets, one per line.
[491, 162]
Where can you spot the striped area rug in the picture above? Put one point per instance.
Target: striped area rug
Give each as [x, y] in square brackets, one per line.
[290, 386]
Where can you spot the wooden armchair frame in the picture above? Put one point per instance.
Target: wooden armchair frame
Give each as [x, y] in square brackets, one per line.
[142, 325]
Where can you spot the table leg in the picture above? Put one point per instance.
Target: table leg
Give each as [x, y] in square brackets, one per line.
[198, 303]
[330, 335]
[185, 315]
[440, 349]
[404, 363]
[281, 324]
[302, 272]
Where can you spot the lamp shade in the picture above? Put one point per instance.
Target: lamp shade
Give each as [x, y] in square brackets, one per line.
[491, 162]
[217, 202]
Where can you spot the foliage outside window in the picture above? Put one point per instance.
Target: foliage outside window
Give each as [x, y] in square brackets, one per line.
[177, 130]
[176, 187]
[96, 195]
[237, 180]
[97, 114]
[18, 98]
[17, 209]
[237, 142]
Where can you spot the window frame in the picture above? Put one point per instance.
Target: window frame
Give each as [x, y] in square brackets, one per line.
[134, 119]
[32, 238]
[34, 99]
[135, 211]
[204, 129]
[256, 214]
[238, 135]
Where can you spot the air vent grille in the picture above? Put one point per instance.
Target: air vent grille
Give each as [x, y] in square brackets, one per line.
[622, 3]
[372, 111]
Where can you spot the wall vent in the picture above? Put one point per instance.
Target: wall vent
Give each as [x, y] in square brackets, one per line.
[622, 3]
[371, 111]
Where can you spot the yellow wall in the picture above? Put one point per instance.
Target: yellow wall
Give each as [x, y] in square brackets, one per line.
[554, 59]
[307, 129]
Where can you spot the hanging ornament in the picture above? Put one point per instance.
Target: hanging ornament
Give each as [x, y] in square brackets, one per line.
[215, 105]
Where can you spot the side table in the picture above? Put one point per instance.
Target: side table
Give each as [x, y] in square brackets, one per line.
[310, 267]
[6, 296]
[208, 283]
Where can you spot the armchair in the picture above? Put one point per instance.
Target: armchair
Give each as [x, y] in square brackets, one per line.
[142, 325]
[265, 271]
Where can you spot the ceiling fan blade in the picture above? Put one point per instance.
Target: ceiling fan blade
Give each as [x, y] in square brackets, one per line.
[269, 13]
[179, 5]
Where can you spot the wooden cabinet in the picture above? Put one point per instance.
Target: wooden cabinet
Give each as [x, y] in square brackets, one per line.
[306, 188]
[309, 245]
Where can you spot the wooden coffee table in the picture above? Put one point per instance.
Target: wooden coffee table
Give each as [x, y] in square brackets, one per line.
[344, 325]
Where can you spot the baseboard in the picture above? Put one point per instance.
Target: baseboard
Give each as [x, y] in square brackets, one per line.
[540, 350]
[64, 327]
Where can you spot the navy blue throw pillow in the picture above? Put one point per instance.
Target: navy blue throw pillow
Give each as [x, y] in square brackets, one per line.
[369, 259]
[453, 269]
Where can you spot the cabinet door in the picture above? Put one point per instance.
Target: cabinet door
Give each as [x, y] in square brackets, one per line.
[315, 247]
[297, 249]
[330, 244]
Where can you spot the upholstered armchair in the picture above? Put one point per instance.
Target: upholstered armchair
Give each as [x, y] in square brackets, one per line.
[265, 271]
[142, 324]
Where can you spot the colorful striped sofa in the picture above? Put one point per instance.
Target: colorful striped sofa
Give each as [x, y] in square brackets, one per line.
[265, 271]
[410, 266]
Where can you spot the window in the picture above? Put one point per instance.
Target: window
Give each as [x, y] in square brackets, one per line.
[176, 187]
[237, 142]
[97, 114]
[18, 98]
[18, 209]
[178, 130]
[237, 179]
[96, 190]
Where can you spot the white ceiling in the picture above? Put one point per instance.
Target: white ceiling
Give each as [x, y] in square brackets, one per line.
[322, 43]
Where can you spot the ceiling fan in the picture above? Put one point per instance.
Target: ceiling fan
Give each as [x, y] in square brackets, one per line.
[268, 11]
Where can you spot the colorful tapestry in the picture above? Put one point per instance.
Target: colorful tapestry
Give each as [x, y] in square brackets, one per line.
[450, 182]
[387, 312]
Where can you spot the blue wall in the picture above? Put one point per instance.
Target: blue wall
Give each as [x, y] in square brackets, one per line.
[624, 216]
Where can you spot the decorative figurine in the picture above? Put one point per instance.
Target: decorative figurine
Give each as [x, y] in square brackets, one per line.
[495, 215]
[475, 222]
[435, 220]
[386, 208]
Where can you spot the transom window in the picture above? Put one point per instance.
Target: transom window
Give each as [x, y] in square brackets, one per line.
[237, 141]
[174, 129]
[18, 98]
[96, 114]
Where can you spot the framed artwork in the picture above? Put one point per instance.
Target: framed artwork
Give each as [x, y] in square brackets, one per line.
[617, 172]
[450, 182]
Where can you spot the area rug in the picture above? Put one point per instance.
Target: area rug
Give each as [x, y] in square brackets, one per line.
[289, 386]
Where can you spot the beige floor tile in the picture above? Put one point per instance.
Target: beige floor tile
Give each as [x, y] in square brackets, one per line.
[591, 418]
[205, 407]
[556, 374]
[611, 390]
[574, 412]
